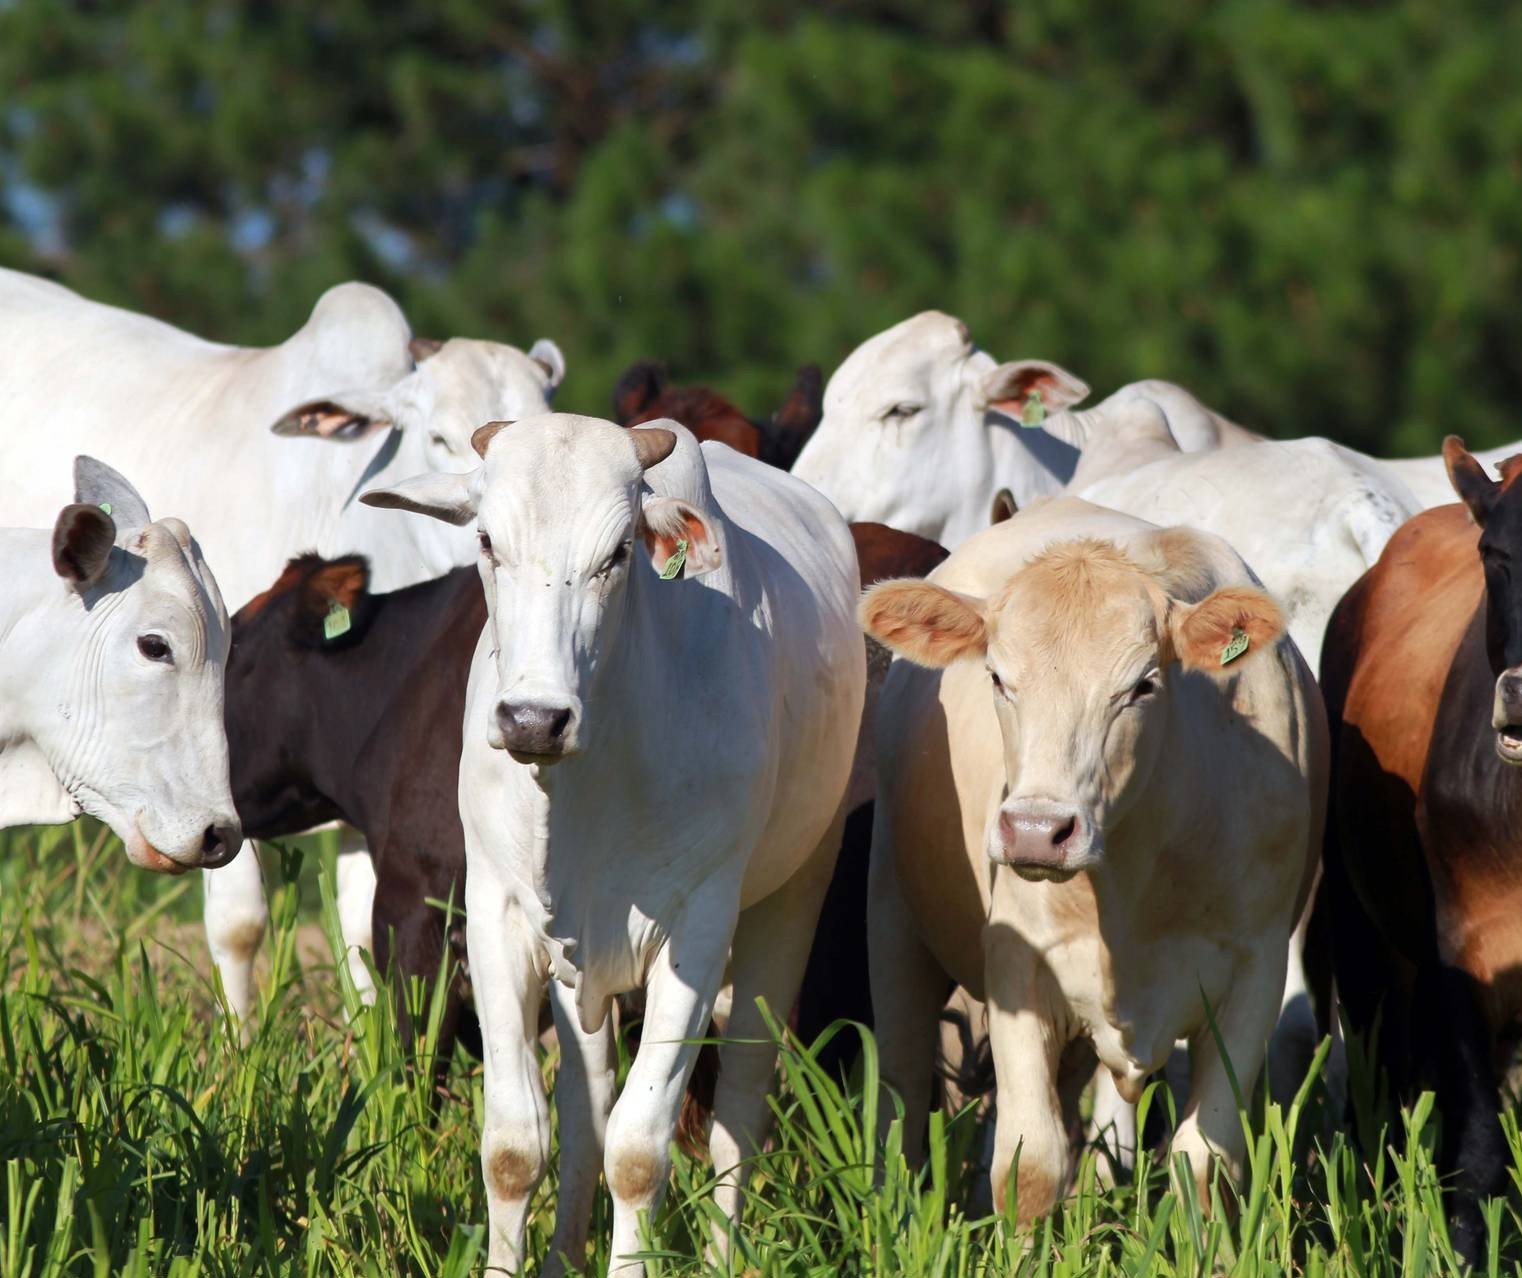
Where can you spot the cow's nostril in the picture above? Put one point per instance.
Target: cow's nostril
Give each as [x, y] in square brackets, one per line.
[559, 720]
[1064, 832]
[211, 839]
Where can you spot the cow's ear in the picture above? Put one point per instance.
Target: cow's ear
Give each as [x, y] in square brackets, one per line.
[421, 348]
[1475, 488]
[346, 418]
[1003, 507]
[334, 604]
[83, 535]
[798, 418]
[97, 484]
[1009, 387]
[1225, 629]
[551, 362]
[639, 386]
[452, 498]
[925, 623]
[667, 522]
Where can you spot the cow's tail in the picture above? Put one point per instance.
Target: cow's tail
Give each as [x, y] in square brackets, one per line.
[697, 1104]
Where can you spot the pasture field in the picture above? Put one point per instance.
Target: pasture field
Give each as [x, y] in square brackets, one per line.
[138, 1137]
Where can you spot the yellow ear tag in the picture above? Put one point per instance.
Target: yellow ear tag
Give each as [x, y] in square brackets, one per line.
[1034, 412]
[674, 563]
[1235, 646]
[337, 622]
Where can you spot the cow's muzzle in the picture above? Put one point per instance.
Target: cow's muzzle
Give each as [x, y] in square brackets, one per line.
[1506, 717]
[1042, 840]
[534, 731]
[216, 845]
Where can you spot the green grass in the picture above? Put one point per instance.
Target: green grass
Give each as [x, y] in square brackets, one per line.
[138, 1137]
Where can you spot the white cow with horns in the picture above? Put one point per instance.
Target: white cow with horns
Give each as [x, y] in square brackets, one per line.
[113, 640]
[200, 425]
[659, 728]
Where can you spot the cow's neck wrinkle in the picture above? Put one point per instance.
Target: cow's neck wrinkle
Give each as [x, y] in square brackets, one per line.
[44, 626]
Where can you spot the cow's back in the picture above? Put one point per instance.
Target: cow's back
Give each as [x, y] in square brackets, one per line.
[189, 419]
[1308, 516]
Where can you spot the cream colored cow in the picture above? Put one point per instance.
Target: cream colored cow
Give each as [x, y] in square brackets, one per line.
[1089, 821]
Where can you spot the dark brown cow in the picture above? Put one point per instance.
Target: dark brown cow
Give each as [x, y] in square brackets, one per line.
[1422, 894]
[644, 393]
[365, 728]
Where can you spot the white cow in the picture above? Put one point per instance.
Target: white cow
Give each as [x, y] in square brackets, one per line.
[113, 640]
[921, 429]
[1309, 516]
[1101, 813]
[199, 424]
[659, 728]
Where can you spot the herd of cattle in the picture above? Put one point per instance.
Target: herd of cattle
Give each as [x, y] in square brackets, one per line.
[605, 683]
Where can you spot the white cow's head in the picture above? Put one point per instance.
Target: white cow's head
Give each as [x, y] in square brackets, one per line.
[130, 719]
[567, 527]
[1080, 649]
[451, 389]
[921, 429]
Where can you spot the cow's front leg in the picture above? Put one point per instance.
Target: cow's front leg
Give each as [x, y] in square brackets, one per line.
[685, 974]
[584, 1089]
[1027, 1048]
[506, 972]
[236, 917]
[1211, 1126]
[355, 881]
[767, 959]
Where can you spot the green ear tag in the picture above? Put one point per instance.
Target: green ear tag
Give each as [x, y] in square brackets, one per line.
[106, 506]
[336, 622]
[1235, 646]
[1034, 412]
[674, 563]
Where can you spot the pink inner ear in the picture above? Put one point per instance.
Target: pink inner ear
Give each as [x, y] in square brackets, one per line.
[662, 543]
[325, 423]
[1031, 379]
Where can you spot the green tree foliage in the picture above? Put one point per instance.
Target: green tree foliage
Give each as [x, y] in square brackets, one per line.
[1309, 213]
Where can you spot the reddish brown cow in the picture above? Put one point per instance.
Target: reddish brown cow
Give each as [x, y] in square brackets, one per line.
[644, 393]
[1422, 894]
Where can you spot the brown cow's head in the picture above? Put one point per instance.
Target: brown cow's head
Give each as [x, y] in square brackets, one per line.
[1081, 649]
[1496, 506]
[645, 394]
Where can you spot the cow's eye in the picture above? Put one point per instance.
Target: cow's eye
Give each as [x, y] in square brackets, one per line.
[435, 438]
[997, 682]
[154, 647]
[901, 412]
[1144, 687]
[485, 540]
[620, 553]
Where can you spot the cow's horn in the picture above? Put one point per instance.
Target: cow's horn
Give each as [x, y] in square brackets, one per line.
[652, 445]
[483, 436]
